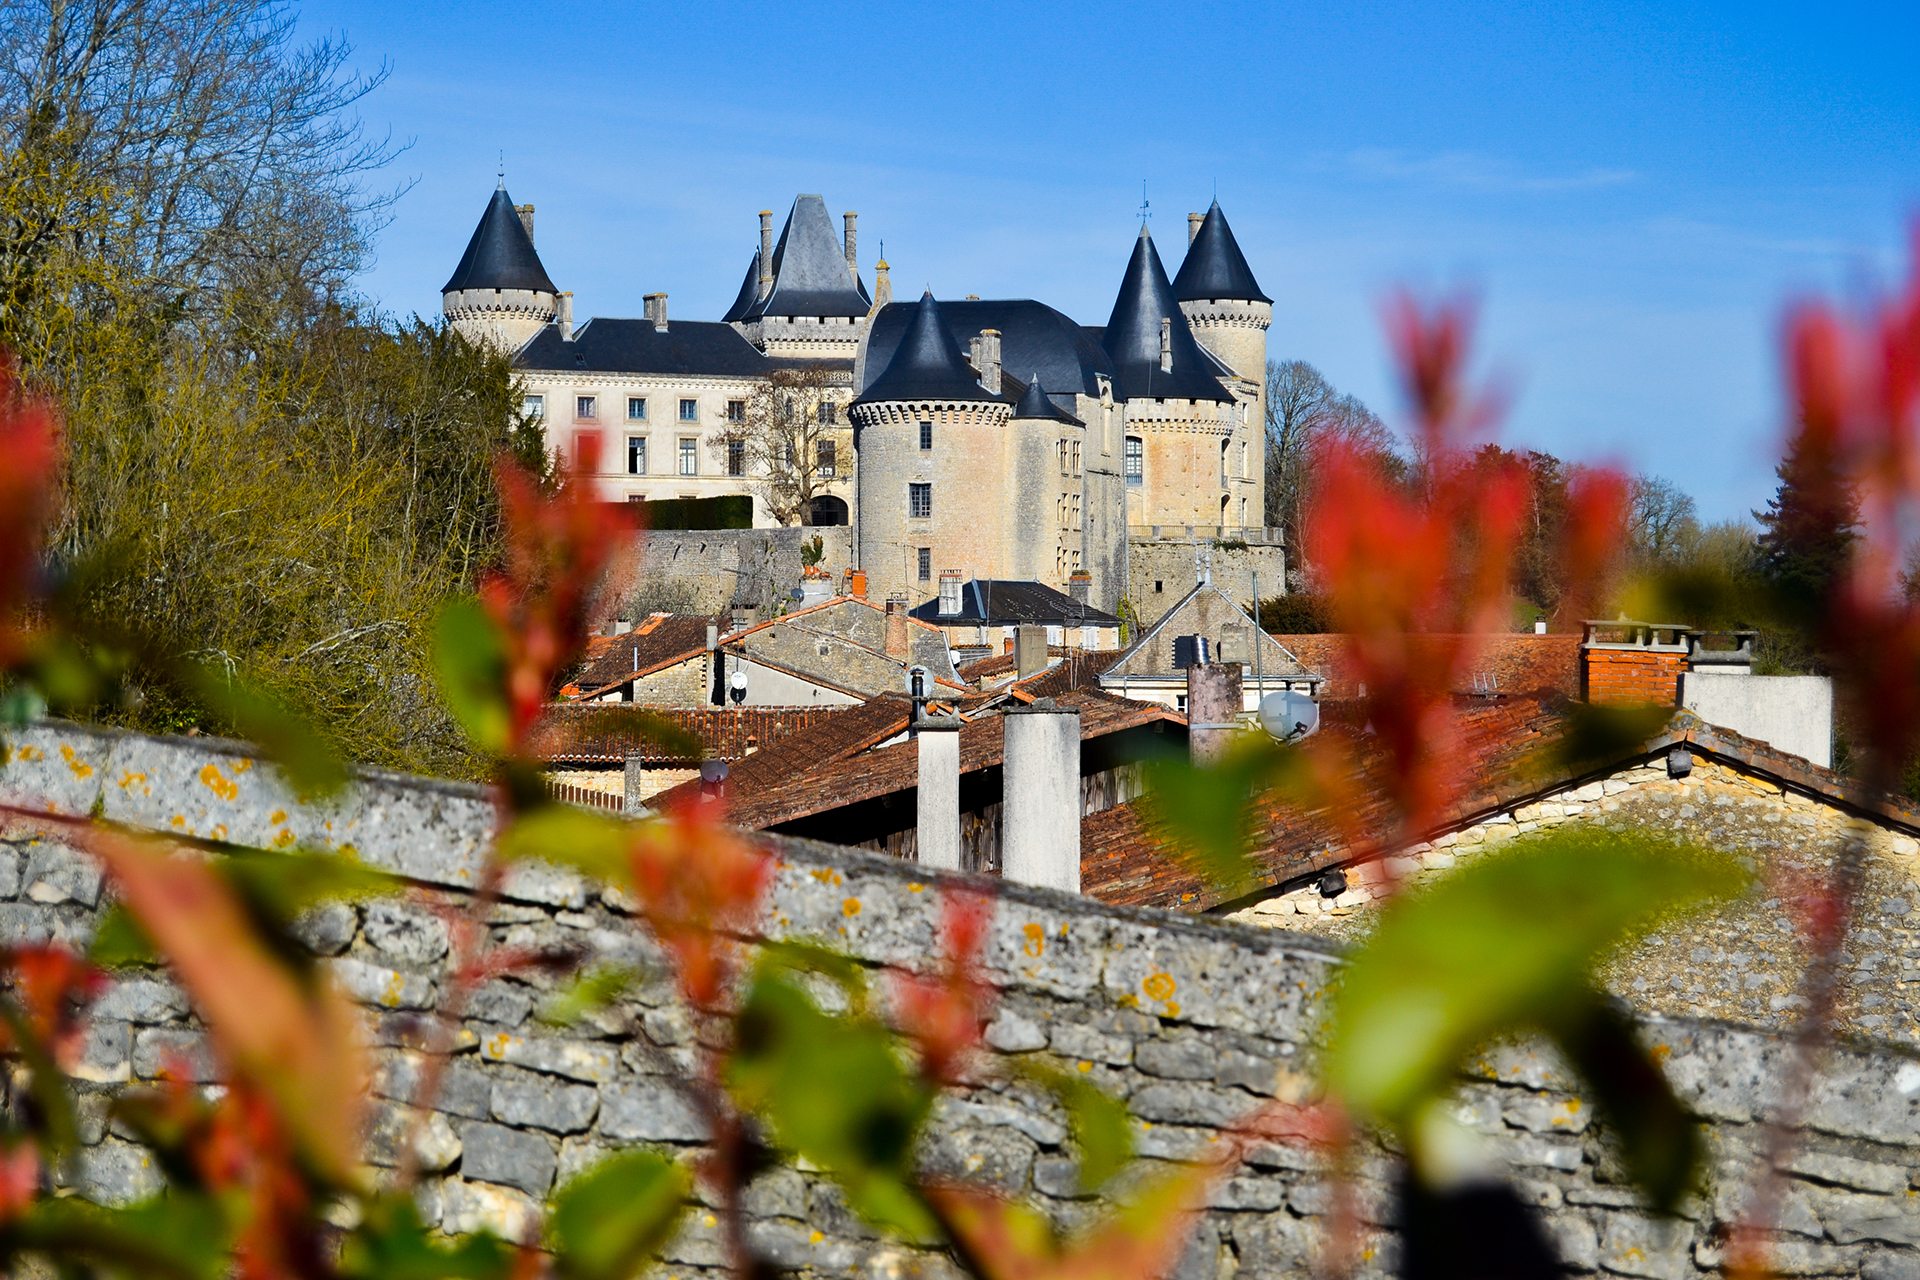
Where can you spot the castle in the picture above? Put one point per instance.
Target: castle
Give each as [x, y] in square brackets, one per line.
[995, 438]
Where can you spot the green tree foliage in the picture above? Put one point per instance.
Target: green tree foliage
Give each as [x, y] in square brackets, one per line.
[1807, 532]
[1304, 414]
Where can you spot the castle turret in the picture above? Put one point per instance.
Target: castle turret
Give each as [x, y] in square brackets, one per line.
[1229, 315]
[810, 303]
[500, 294]
[937, 463]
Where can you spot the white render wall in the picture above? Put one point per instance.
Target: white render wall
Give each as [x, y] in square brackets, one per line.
[1791, 713]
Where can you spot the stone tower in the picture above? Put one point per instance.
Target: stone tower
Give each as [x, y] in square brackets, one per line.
[1190, 430]
[1229, 316]
[500, 294]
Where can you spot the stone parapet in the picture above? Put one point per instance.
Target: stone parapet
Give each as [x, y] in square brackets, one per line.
[1192, 1021]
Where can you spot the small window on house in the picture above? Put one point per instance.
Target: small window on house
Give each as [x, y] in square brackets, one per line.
[636, 455]
[920, 501]
[1135, 461]
[736, 457]
[736, 411]
[1180, 703]
[583, 407]
[824, 414]
[926, 435]
[926, 564]
[1158, 586]
[823, 457]
[689, 410]
[636, 408]
[689, 457]
[534, 406]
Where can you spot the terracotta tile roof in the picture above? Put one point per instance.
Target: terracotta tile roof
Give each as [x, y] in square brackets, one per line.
[660, 641]
[606, 733]
[766, 798]
[846, 731]
[1516, 664]
[1068, 668]
[1123, 862]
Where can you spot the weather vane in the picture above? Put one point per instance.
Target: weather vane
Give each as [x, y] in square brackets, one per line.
[501, 173]
[1146, 210]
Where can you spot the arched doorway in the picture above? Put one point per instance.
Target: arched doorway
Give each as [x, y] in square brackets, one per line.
[827, 510]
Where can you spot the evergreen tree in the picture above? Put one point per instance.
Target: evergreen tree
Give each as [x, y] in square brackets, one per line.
[1806, 532]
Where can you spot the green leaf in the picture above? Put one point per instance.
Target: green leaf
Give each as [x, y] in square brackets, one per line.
[835, 1092]
[176, 1237]
[1602, 735]
[607, 1222]
[1209, 814]
[280, 886]
[1101, 1125]
[311, 763]
[472, 662]
[391, 1243]
[593, 843]
[1505, 944]
[1659, 1142]
[120, 942]
[588, 993]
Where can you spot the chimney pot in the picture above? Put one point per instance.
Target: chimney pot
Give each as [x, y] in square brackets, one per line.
[656, 305]
[857, 583]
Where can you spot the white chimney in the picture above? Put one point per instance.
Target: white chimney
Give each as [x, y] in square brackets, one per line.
[1193, 226]
[766, 252]
[656, 306]
[1166, 344]
[937, 815]
[949, 593]
[564, 313]
[989, 360]
[1040, 813]
[849, 240]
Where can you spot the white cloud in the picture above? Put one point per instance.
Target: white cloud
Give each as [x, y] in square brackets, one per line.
[1473, 171]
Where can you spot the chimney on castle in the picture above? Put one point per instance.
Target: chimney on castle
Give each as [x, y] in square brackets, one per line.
[949, 593]
[526, 218]
[850, 239]
[1193, 226]
[1166, 344]
[563, 312]
[656, 304]
[882, 285]
[989, 363]
[766, 252]
[896, 643]
[1080, 587]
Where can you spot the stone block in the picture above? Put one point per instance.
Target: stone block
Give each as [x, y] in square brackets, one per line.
[999, 1158]
[581, 1060]
[106, 1054]
[10, 862]
[1013, 1032]
[148, 1001]
[649, 1111]
[493, 1153]
[1186, 1058]
[1846, 1171]
[529, 1100]
[436, 1144]
[470, 1207]
[327, 929]
[57, 874]
[380, 986]
[183, 1054]
[1633, 1244]
[404, 932]
[117, 1173]
[506, 1004]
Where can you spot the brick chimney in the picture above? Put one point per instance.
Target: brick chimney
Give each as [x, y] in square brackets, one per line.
[1080, 586]
[656, 305]
[1633, 663]
[897, 647]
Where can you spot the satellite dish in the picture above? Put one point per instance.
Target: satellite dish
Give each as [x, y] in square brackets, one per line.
[737, 686]
[1289, 715]
[796, 595]
[713, 771]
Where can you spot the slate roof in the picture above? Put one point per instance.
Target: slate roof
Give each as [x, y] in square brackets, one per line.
[1151, 657]
[749, 292]
[1035, 341]
[1132, 337]
[603, 733]
[688, 347]
[1036, 403]
[810, 272]
[999, 602]
[927, 364]
[1215, 267]
[500, 255]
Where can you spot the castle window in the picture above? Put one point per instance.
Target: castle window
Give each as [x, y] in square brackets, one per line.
[1136, 459]
[824, 415]
[1223, 469]
[636, 408]
[926, 435]
[583, 407]
[736, 411]
[534, 407]
[689, 410]
[636, 455]
[689, 457]
[736, 457]
[823, 457]
[1244, 473]
[926, 564]
[1076, 458]
[920, 501]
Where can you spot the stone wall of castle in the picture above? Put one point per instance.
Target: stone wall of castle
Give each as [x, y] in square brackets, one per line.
[1193, 1022]
[1163, 565]
[706, 570]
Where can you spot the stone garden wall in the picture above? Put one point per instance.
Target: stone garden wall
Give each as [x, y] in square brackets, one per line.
[1193, 1021]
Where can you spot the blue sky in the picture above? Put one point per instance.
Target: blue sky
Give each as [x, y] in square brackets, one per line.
[1633, 191]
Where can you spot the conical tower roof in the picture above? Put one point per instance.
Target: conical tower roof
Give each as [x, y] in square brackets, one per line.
[749, 292]
[927, 365]
[500, 255]
[1132, 337]
[1215, 267]
[810, 272]
[1036, 403]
